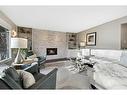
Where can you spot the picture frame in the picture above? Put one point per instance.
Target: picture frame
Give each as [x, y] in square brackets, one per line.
[91, 39]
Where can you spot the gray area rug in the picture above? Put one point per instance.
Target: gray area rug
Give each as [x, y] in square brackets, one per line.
[67, 79]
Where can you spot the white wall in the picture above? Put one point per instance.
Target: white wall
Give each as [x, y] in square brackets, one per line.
[43, 39]
[108, 34]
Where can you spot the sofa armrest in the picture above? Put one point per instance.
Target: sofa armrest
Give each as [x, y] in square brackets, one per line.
[46, 82]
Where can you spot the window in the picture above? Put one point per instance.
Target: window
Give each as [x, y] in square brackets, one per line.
[4, 43]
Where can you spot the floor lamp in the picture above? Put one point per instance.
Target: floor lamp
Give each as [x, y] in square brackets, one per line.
[18, 43]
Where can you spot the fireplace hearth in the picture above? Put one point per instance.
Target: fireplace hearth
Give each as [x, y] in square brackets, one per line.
[51, 51]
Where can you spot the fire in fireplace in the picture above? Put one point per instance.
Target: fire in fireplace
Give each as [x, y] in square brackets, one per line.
[51, 51]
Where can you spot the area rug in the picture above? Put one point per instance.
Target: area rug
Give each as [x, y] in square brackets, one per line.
[66, 78]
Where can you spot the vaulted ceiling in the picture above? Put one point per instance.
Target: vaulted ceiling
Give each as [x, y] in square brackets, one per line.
[63, 18]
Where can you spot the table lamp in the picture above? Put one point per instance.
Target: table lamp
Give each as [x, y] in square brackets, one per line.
[18, 43]
[82, 44]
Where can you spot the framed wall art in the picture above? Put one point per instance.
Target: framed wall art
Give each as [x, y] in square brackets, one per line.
[91, 39]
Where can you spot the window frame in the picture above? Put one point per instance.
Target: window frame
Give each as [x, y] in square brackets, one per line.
[10, 57]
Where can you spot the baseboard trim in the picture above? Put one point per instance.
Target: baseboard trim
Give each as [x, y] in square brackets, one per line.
[55, 60]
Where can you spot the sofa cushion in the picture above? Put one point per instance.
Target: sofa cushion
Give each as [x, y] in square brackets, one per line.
[28, 78]
[3, 85]
[39, 76]
[13, 74]
[33, 68]
[8, 82]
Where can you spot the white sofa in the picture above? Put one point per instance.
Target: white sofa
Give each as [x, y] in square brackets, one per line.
[113, 57]
[103, 54]
[99, 54]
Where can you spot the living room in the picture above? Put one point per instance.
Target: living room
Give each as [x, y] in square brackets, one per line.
[65, 47]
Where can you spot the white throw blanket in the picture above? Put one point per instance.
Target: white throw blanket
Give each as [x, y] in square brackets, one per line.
[111, 76]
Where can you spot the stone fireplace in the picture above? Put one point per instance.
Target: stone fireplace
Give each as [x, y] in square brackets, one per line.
[51, 51]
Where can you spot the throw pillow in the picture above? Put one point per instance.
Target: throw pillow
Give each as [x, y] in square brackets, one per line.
[9, 82]
[13, 74]
[28, 78]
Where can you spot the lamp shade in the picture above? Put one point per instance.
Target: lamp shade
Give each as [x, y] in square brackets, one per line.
[82, 44]
[18, 43]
